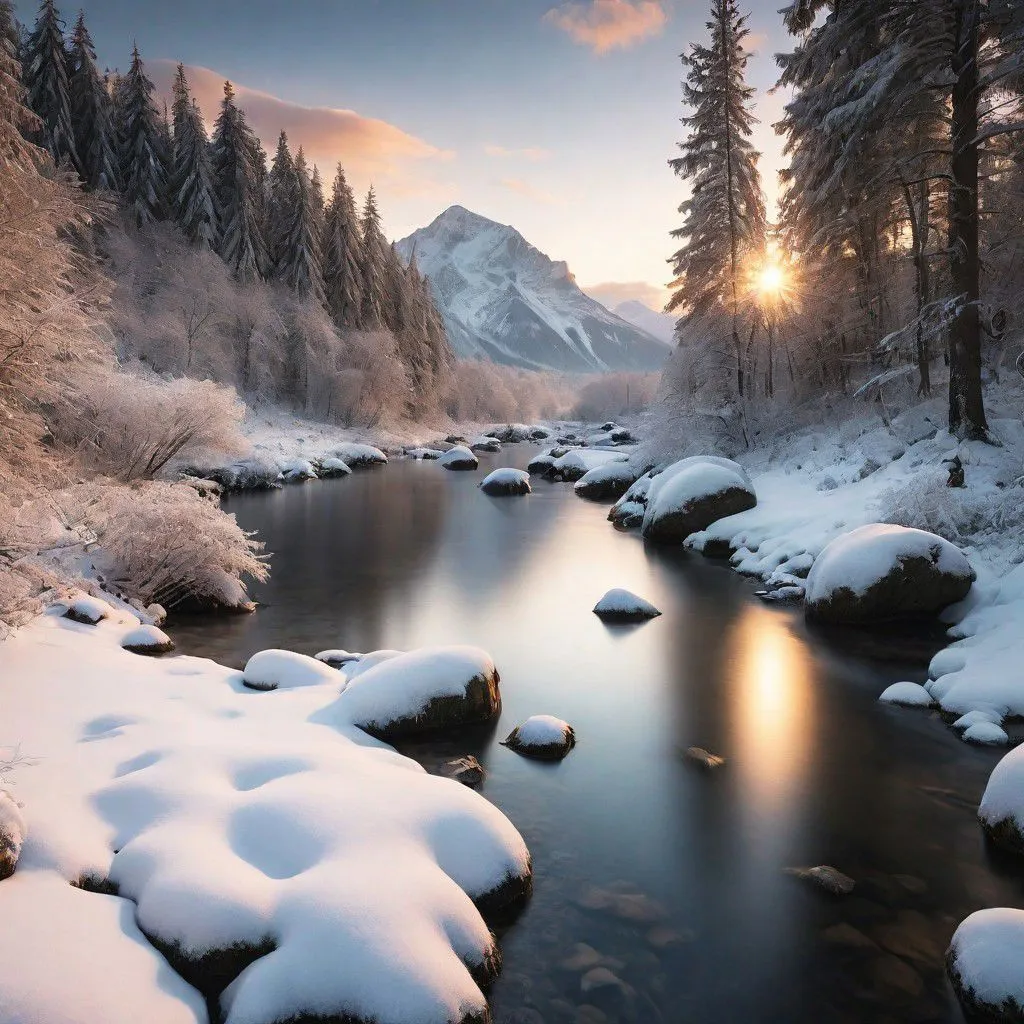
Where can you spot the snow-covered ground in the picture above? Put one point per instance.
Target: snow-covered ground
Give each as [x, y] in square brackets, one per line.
[259, 834]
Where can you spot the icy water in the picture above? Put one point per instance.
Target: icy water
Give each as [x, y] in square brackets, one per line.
[672, 878]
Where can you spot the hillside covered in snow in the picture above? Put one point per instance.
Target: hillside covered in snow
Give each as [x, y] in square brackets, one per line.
[505, 301]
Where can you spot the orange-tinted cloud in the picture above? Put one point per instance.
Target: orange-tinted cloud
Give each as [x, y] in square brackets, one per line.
[370, 150]
[533, 153]
[604, 25]
[531, 192]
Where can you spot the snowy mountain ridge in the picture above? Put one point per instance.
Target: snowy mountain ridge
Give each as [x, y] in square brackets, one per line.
[504, 300]
[661, 325]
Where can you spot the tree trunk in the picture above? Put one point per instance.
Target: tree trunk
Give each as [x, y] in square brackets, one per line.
[918, 217]
[966, 404]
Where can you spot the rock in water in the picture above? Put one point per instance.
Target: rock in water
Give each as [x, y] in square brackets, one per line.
[606, 482]
[459, 458]
[620, 605]
[908, 695]
[1001, 811]
[12, 834]
[825, 877]
[467, 770]
[692, 498]
[505, 483]
[360, 456]
[147, 640]
[543, 737]
[703, 758]
[984, 965]
[880, 573]
[274, 670]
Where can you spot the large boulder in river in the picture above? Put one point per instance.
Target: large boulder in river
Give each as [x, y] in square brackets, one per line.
[611, 480]
[12, 834]
[360, 456]
[435, 688]
[880, 573]
[506, 483]
[459, 458]
[620, 605]
[984, 965]
[692, 498]
[1001, 811]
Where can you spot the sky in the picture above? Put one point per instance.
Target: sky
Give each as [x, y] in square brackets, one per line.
[556, 118]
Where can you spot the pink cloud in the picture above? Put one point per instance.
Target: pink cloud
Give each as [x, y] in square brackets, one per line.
[604, 25]
[531, 192]
[370, 150]
[532, 153]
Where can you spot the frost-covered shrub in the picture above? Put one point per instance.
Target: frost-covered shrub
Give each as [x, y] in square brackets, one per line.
[163, 543]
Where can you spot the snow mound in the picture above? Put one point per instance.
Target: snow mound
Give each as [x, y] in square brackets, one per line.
[984, 963]
[147, 640]
[880, 572]
[332, 467]
[79, 958]
[424, 690]
[297, 470]
[459, 458]
[364, 662]
[986, 734]
[336, 658]
[977, 718]
[543, 737]
[360, 456]
[611, 480]
[88, 610]
[517, 433]
[683, 500]
[485, 444]
[424, 454]
[625, 606]
[285, 670]
[506, 482]
[575, 464]
[12, 835]
[908, 695]
[1001, 811]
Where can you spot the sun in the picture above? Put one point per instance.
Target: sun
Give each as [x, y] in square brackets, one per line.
[771, 280]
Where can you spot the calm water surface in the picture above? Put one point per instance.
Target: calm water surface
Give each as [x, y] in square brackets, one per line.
[673, 877]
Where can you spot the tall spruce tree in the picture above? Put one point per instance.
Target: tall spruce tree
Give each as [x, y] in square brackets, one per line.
[373, 267]
[237, 177]
[16, 120]
[301, 266]
[91, 109]
[281, 196]
[192, 190]
[45, 70]
[143, 147]
[342, 256]
[724, 218]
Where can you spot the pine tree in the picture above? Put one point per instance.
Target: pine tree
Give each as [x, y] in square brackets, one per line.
[143, 147]
[235, 154]
[282, 193]
[16, 120]
[724, 217]
[192, 190]
[95, 140]
[343, 256]
[45, 69]
[373, 269]
[301, 267]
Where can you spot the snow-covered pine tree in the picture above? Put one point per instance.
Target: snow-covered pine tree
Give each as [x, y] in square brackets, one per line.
[192, 191]
[235, 153]
[281, 192]
[91, 111]
[45, 71]
[342, 256]
[724, 218]
[373, 269]
[143, 147]
[16, 120]
[301, 265]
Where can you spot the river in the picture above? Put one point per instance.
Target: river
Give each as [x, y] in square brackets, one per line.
[671, 877]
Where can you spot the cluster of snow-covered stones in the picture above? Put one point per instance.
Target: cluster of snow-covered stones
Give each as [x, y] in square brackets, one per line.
[251, 829]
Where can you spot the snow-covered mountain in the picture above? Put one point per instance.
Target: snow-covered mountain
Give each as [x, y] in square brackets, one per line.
[661, 325]
[505, 301]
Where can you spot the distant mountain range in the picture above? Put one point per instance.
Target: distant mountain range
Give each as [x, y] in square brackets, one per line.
[505, 301]
[661, 325]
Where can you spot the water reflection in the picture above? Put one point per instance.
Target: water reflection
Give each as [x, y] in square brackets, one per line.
[673, 877]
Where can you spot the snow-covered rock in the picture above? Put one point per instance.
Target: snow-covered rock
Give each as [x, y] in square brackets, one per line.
[986, 734]
[692, 498]
[360, 456]
[575, 464]
[878, 573]
[336, 658]
[609, 481]
[1001, 811]
[88, 610]
[425, 454]
[364, 662]
[459, 457]
[977, 718]
[333, 467]
[543, 737]
[506, 482]
[628, 512]
[517, 433]
[623, 606]
[285, 670]
[984, 964]
[489, 445]
[147, 640]
[908, 695]
[540, 465]
[430, 689]
[74, 957]
[12, 835]
[297, 470]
